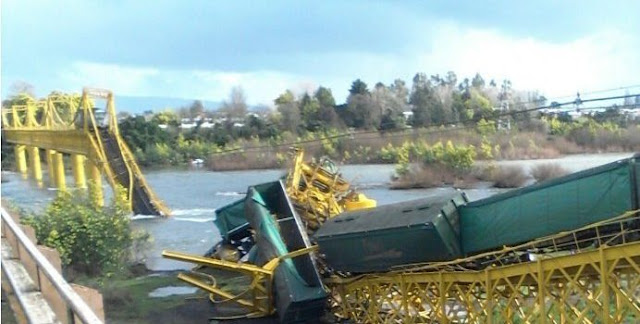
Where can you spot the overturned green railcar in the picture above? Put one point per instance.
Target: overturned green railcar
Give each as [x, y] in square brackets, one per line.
[431, 231]
[279, 230]
[550, 207]
[379, 238]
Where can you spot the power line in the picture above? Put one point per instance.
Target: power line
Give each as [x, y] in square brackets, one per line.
[418, 132]
[596, 91]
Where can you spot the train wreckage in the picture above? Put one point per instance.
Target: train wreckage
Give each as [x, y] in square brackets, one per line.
[300, 240]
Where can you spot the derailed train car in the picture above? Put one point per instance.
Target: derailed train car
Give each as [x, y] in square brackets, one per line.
[265, 226]
[421, 231]
[379, 238]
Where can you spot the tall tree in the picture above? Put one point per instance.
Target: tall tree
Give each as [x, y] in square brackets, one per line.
[326, 112]
[309, 108]
[477, 82]
[236, 106]
[361, 111]
[451, 79]
[196, 109]
[427, 108]
[399, 89]
[358, 87]
[290, 113]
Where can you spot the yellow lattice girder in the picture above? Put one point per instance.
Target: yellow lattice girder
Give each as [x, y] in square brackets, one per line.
[602, 285]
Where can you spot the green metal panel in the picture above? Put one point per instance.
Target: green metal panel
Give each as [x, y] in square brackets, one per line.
[299, 293]
[547, 208]
[230, 217]
[379, 238]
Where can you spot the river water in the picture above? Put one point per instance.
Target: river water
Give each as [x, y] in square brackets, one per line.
[194, 194]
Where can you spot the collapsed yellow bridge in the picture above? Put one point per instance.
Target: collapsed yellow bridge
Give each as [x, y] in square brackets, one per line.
[63, 125]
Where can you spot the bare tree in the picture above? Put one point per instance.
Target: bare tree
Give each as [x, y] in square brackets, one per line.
[20, 87]
[236, 107]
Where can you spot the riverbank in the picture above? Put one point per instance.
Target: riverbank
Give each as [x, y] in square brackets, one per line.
[381, 148]
[127, 299]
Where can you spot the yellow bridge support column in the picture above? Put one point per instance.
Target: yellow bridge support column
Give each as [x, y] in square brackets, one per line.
[34, 161]
[52, 171]
[96, 183]
[21, 159]
[58, 165]
[77, 162]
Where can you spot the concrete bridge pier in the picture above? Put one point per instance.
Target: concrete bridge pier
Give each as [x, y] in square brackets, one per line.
[52, 171]
[21, 160]
[36, 167]
[77, 162]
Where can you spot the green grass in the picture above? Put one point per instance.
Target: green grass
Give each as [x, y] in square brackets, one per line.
[126, 300]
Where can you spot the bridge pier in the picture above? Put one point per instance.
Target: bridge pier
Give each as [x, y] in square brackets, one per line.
[96, 183]
[77, 162]
[58, 165]
[52, 171]
[36, 167]
[21, 160]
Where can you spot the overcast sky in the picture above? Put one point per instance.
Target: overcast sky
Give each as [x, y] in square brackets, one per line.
[201, 49]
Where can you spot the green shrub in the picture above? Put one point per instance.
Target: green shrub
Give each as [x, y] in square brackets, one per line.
[457, 157]
[486, 150]
[485, 127]
[402, 167]
[90, 239]
[460, 157]
[388, 154]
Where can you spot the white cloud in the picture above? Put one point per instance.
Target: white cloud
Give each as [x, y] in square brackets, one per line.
[129, 79]
[604, 60]
[259, 86]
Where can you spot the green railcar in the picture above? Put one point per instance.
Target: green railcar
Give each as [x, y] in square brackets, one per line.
[379, 238]
[300, 294]
[550, 207]
[430, 231]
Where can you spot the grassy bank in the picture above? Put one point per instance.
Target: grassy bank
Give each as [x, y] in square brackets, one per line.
[431, 175]
[126, 299]
[384, 147]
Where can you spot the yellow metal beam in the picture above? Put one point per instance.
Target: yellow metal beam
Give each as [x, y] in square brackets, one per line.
[65, 141]
[215, 263]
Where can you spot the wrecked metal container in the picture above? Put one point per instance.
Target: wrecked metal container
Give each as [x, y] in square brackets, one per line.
[299, 293]
[377, 239]
[550, 207]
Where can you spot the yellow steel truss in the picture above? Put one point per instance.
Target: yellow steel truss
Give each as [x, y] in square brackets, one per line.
[320, 193]
[597, 280]
[49, 124]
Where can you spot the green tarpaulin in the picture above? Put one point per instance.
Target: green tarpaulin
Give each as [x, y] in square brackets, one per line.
[230, 217]
[547, 208]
